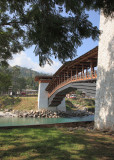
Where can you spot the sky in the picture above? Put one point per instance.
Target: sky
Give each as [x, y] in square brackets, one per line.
[28, 59]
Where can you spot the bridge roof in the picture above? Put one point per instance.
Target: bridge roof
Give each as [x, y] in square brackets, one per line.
[38, 78]
[85, 59]
[62, 68]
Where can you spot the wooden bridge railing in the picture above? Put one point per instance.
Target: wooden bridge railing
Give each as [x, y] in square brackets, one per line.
[78, 78]
[81, 69]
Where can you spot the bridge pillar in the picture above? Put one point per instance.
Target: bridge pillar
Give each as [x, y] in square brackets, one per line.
[104, 111]
[42, 93]
[62, 106]
[43, 101]
[42, 96]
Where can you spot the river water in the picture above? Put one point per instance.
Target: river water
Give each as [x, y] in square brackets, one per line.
[14, 121]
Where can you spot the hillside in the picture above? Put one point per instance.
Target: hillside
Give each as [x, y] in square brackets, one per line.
[24, 78]
[27, 73]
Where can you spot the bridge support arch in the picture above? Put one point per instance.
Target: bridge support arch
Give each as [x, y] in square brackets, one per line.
[104, 111]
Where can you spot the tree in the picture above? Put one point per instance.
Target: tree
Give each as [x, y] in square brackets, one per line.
[15, 79]
[31, 84]
[22, 83]
[18, 82]
[41, 23]
[5, 79]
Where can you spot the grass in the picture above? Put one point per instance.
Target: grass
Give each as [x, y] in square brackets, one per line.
[25, 103]
[7, 101]
[55, 144]
[72, 104]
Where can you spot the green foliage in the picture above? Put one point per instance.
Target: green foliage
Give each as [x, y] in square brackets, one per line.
[17, 81]
[10, 32]
[78, 94]
[29, 75]
[7, 101]
[69, 105]
[72, 104]
[90, 102]
[23, 78]
[18, 78]
[26, 73]
[31, 84]
[41, 23]
[5, 79]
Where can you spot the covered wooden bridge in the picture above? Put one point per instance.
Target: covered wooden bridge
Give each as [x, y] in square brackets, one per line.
[78, 74]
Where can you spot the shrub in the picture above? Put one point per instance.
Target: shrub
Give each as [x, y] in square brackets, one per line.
[8, 101]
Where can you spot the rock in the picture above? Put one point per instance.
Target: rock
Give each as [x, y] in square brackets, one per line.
[25, 115]
[6, 110]
[34, 116]
[47, 113]
[31, 111]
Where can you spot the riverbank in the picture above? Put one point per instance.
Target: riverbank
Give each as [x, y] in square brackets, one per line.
[44, 113]
[27, 107]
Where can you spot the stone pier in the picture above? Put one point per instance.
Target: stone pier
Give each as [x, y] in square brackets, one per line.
[104, 111]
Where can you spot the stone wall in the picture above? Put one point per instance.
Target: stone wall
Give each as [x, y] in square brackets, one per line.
[104, 111]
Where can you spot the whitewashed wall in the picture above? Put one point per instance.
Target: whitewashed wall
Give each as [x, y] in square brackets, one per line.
[42, 96]
[104, 111]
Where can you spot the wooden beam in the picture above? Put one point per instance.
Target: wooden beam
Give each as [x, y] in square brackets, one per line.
[76, 72]
[71, 74]
[92, 59]
[83, 70]
[85, 63]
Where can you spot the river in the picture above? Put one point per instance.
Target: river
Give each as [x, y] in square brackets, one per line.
[15, 121]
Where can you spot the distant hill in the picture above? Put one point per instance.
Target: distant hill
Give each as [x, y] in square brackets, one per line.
[24, 72]
[23, 78]
[27, 73]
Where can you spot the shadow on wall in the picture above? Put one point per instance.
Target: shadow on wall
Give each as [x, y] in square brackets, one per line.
[104, 111]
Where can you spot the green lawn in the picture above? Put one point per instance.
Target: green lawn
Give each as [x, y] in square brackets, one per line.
[24, 104]
[55, 144]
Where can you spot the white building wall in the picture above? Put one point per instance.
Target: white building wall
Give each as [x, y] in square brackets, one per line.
[104, 111]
